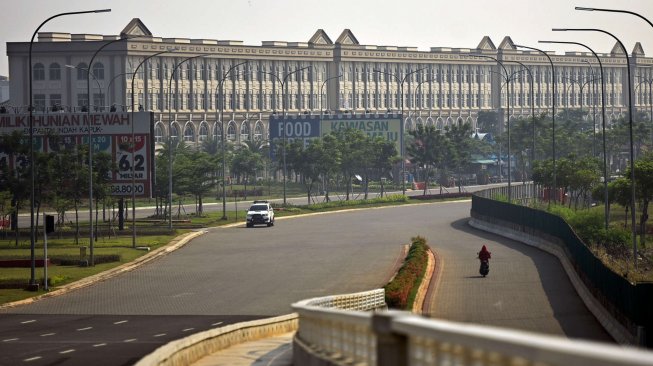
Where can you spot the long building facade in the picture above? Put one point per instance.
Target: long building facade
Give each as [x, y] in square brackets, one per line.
[197, 87]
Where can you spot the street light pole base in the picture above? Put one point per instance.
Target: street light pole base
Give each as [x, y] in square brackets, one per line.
[33, 287]
[224, 218]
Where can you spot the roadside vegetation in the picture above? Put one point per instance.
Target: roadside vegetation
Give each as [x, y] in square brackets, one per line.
[580, 189]
[401, 291]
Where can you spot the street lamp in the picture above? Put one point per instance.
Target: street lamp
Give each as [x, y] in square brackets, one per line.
[322, 91]
[508, 79]
[111, 82]
[648, 81]
[33, 286]
[222, 136]
[530, 75]
[401, 81]
[630, 127]
[283, 108]
[605, 155]
[172, 76]
[553, 117]
[133, 145]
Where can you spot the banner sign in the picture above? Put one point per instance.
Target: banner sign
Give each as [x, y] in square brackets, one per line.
[307, 128]
[110, 133]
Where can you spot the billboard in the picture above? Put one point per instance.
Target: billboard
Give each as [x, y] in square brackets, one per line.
[307, 128]
[110, 133]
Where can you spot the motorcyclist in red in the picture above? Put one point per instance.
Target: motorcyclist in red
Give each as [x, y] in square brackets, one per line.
[484, 255]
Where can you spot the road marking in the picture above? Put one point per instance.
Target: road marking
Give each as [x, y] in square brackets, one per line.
[10, 339]
[218, 323]
[67, 351]
[32, 359]
[187, 329]
[159, 335]
[129, 340]
[47, 334]
[28, 321]
[99, 345]
[83, 329]
[120, 322]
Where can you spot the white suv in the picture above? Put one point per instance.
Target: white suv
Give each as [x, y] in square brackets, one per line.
[260, 212]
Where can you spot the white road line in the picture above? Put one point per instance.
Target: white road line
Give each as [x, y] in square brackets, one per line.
[129, 340]
[67, 351]
[32, 359]
[99, 345]
[28, 321]
[10, 339]
[187, 329]
[218, 323]
[159, 335]
[120, 322]
[83, 329]
[47, 334]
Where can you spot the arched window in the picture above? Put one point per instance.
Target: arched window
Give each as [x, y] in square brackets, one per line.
[189, 133]
[55, 71]
[39, 72]
[98, 70]
[204, 131]
[244, 131]
[158, 133]
[174, 132]
[258, 131]
[231, 131]
[82, 71]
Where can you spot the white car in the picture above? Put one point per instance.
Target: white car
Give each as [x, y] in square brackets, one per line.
[261, 212]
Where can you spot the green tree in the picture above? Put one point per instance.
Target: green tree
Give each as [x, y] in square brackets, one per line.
[427, 149]
[459, 136]
[244, 165]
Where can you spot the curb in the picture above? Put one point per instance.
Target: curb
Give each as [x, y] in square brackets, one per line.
[609, 323]
[188, 350]
[174, 244]
[420, 297]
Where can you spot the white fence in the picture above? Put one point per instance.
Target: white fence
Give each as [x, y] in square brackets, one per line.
[333, 336]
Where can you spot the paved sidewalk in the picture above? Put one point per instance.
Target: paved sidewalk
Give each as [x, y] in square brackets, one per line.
[273, 351]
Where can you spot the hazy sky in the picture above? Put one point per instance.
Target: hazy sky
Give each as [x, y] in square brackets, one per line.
[415, 23]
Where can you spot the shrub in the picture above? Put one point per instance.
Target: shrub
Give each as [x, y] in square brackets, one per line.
[400, 292]
[73, 260]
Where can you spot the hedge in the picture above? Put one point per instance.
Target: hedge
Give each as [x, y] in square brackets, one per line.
[401, 291]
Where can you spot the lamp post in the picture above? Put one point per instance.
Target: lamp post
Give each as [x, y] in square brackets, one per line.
[222, 137]
[322, 91]
[90, 145]
[553, 117]
[401, 81]
[592, 97]
[133, 145]
[605, 155]
[530, 75]
[283, 107]
[33, 286]
[90, 157]
[419, 84]
[650, 94]
[630, 128]
[508, 79]
[111, 82]
[172, 76]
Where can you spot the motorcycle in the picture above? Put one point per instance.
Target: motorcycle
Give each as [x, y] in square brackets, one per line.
[485, 268]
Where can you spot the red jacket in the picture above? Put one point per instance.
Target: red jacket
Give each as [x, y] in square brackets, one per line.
[484, 254]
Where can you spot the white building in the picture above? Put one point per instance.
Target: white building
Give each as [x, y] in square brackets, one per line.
[440, 86]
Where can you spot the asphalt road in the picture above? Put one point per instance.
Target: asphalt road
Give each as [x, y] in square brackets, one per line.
[142, 212]
[239, 272]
